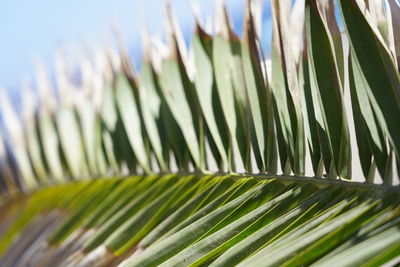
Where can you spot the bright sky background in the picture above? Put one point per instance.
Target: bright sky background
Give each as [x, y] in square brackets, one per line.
[36, 28]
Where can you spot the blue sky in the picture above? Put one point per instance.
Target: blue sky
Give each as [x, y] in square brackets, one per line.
[36, 28]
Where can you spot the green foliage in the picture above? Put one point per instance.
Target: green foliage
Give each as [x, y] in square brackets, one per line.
[195, 128]
[218, 220]
[225, 104]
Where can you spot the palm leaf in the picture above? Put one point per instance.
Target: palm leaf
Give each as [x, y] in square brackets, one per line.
[178, 164]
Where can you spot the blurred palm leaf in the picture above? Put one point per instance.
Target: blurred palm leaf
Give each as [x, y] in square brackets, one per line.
[184, 156]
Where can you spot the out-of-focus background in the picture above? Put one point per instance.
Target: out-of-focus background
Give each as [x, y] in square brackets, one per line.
[36, 29]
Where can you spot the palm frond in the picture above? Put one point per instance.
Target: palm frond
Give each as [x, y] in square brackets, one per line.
[219, 155]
